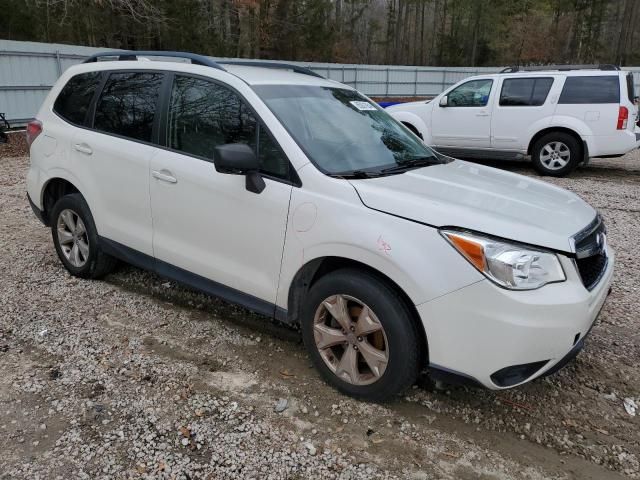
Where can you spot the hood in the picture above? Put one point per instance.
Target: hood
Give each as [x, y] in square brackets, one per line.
[403, 105]
[484, 199]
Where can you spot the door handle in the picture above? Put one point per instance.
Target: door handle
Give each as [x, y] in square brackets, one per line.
[165, 177]
[482, 114]
[83, 148]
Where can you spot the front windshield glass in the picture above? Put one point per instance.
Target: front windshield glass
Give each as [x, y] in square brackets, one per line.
[342, 132]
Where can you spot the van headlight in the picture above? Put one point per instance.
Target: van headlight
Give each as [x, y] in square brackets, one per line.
[510, 265]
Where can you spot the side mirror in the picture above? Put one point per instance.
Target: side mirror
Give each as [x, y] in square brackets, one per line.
[444, 101]
[239, 159]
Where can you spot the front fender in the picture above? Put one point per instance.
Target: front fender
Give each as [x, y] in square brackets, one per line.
[415, 121]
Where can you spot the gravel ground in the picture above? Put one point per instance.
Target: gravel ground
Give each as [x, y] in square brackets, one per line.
[136, 377]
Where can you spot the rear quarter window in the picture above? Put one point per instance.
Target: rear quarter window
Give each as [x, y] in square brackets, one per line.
[74, 99]
[600, 89]
[127, 105]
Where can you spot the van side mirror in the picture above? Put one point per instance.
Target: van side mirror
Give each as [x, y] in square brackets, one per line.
[239, 159]
[444, 101]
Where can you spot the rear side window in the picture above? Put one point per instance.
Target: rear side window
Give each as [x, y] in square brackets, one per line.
[591, 90]
[525, 92]
[630, 87]
[73, 102]
[127, 105]
[204, 114]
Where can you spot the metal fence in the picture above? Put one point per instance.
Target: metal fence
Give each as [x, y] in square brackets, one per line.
[28, 70]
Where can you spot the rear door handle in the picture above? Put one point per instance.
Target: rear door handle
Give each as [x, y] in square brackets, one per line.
[83, 148]
[165, 176]
[482, 114]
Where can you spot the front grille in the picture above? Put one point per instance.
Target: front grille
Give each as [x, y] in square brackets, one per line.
[591, 252]
[591, 269]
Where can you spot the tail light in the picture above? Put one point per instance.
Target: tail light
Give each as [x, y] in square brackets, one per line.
[623, 117]
[34, 128]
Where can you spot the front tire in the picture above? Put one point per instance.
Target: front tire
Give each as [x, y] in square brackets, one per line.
[361, 335]
[76, 239]
[556, 154]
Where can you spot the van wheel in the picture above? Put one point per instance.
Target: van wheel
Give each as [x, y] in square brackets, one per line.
[556, 154]
[360, 335]
[76, 239]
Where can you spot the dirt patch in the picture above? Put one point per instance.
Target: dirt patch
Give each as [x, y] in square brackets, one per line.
[16, 145]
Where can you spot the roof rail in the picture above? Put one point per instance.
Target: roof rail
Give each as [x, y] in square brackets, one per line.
[534, 68]
[281, 65]
[124, 55]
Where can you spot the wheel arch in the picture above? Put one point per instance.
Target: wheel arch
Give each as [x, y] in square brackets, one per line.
[315, 269]
[562, 129]
[414, 123]
[52, 190]
[413, 129]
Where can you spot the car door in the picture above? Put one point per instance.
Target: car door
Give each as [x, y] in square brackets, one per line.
[523, 108]
[205, 222]
[113, 156]
[465, 119]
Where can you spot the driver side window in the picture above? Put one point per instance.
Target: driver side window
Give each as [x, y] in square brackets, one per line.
[471, 94]
[203, 115]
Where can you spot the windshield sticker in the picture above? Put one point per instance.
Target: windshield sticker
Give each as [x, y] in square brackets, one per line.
[360, 105]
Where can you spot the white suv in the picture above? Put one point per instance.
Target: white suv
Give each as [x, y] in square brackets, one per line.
[299, 198]
[561, 118]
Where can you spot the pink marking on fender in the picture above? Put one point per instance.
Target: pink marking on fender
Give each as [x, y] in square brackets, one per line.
[383, 246]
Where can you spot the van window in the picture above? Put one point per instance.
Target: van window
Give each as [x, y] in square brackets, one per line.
[474, 93]
[601, 89]
[127, 105]
[204, 114]
[73, 102]
[630, 87]
[525, 92]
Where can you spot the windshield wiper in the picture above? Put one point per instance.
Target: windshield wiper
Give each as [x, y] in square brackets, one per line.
[356, 174]
[411, 163]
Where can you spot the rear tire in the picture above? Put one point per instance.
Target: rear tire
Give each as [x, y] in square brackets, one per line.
[556, 154]
[76, 239]
[375, 351]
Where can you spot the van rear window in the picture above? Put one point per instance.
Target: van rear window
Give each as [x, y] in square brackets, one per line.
[73, 102]
[600, 89]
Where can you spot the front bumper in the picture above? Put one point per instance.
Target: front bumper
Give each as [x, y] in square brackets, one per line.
[480, 330]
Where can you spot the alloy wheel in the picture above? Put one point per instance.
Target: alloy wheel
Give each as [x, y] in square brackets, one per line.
[351, 340]
[73, 238]
[555, 155]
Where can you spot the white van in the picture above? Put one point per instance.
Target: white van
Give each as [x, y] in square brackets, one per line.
[299, 198]
[560, 118]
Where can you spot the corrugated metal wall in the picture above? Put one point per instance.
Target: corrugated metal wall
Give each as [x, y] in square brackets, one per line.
[29, 69]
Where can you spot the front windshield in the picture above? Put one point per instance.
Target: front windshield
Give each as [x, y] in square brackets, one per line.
[344, 133]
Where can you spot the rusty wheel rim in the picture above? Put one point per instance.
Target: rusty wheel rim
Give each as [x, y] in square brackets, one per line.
[351, 339]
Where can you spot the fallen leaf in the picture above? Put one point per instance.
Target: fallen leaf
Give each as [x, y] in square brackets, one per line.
[286, 373]
[185, 432]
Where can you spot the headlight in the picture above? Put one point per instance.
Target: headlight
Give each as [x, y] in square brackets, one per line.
[513, 266]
